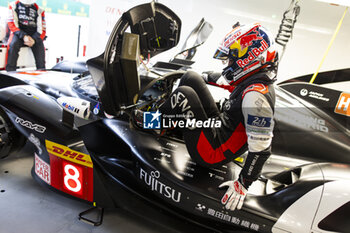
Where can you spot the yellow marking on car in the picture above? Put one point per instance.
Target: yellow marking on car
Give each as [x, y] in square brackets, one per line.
[66, 153]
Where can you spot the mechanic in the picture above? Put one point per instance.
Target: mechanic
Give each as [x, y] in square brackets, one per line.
[247, 116]
[27, 25]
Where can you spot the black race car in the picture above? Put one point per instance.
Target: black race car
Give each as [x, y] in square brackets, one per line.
[85, 147]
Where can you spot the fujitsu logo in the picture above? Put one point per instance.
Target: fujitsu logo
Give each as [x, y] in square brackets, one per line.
[151, 180]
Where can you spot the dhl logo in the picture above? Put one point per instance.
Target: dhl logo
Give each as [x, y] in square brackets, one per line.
[343, 105]
[68, 154]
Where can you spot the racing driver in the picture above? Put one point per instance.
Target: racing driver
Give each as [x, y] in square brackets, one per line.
[247, 116]
[27, 25]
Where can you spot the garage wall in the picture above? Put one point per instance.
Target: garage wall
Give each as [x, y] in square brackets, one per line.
[62, 28]
[313, 31]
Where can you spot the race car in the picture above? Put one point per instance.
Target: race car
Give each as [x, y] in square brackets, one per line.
[85, 147]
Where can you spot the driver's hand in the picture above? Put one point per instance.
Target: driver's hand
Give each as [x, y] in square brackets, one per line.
[222, 104]
[205, 76]
[28, 40]
[234, 195]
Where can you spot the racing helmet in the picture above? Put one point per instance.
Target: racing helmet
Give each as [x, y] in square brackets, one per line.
[247, 49]
[27, 2]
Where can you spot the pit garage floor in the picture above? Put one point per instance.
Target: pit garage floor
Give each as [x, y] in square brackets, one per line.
[27, 207]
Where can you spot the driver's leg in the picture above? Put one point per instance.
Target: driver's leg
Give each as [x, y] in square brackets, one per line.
[204, 143]
[196, 82]
[14, 45]
[184, 101]
[39, 54]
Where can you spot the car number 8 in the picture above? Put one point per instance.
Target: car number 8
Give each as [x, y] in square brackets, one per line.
[74, 177]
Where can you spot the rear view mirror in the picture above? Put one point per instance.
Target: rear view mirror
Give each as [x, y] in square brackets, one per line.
[196, 38]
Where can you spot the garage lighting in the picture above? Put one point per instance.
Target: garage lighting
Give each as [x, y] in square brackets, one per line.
[337, 2]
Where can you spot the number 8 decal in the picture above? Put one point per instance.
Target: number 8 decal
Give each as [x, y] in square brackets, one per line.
[74, 186]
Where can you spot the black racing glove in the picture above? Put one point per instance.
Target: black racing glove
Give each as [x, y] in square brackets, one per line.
[210, 76]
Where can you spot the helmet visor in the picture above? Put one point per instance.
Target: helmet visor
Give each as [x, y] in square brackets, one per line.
[220, 55]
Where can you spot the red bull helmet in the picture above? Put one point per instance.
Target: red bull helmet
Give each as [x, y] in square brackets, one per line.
[247, 49]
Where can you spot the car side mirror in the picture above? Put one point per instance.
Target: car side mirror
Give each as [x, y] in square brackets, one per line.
[197, 37]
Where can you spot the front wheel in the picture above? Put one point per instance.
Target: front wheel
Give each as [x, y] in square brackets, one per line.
[10, 139]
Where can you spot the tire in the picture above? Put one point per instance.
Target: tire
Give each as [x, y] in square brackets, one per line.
[10, 139]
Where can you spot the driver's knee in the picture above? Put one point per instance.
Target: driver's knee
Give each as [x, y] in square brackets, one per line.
[192, 79]
[186, 93]
[183, 99]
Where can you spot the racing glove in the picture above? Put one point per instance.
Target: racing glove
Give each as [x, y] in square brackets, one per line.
[210, 76]
[216, 79]
[234, 195]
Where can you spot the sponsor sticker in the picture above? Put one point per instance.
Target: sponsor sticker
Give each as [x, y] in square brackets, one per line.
[96, 109]
[36, 142]
[305, 121]
[313, 94]
[231, 219]
[42, 169]
[70, 107]
[152, 181]
[259, 121]
[231, 38]
[247, 39]
[36, 127]
[253, 54]
[200, 207]
[72, 171]
[343, 104]
[68, 154]
[304, 92]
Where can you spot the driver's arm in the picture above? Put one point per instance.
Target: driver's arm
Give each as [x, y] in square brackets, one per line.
[13, 23]
[216, 79]
[40, 34]
[258, 118]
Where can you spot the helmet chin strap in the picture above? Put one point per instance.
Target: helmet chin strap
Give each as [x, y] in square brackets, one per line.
[228, 73]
